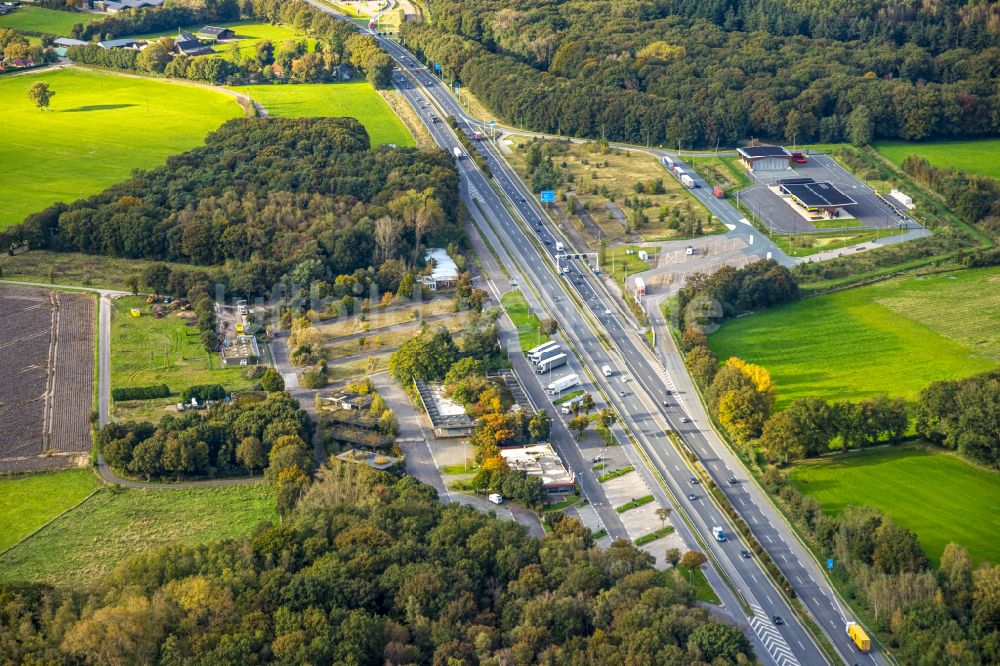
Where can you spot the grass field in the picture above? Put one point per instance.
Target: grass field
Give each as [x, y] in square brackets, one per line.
[525, 321]
[28, 502]
[356, 99]
[248, 35]
[937, 495]
[100, 127]
[978, 156]
[89, 541]
[620, 265]
[146, 351]
[894, 337]
[39, 19]
[74, 268]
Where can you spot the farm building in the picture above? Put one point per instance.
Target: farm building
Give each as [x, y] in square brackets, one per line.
[211, 33]
[815, 197]
[540, 460]
[444, 274]
[764, 158]
[115, 6]
[448, 418]
[68, 41]
[123, 43]
[242, 350]
[189, 45]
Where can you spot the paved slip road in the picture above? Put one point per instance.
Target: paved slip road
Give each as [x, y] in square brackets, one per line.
[640, 408]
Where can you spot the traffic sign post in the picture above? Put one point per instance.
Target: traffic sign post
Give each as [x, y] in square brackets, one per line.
[548, 196]
[829, 563]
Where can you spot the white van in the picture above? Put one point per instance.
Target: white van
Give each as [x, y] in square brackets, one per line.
[606, 369]
[496, 498]
[559, 246]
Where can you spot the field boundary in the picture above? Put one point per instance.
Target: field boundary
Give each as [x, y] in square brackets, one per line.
[101, 485]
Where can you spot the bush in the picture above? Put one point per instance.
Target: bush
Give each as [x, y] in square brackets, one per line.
[140, 392]
[203, 392]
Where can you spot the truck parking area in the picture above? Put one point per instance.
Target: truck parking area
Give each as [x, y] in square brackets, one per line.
[778, 214]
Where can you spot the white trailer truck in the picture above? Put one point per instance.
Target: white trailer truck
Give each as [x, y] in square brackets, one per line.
[688, 181]
[457, 152]
[550, 363]
[561, 384]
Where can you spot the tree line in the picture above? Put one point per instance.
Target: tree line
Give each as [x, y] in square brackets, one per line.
[976, 199]
[274, 199]
[337, 43]
[706, 299]
[963, 415]
[227, 439]
[369, 570]
[947, 616]
[641, 77]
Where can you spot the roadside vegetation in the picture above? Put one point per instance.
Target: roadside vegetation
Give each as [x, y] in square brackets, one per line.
[610, 193]
[527, 323]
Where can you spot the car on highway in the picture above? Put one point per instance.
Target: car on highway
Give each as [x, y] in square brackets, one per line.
[694, 480]
[666, 403]
[745, 554]
[607, 311]
[733, 480]
[669, 392]
[547, 241]
[692, 496]
[777, 619]
[622, 393]
[685, 419]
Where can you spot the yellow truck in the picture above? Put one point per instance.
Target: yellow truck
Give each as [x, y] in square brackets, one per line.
[859, 637]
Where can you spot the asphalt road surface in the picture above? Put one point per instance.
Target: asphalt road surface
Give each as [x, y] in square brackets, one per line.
[641, 406]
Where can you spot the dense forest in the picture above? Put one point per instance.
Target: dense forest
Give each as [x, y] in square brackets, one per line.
[700, 73]
[305, 199]
[337, 43]
[371, 571]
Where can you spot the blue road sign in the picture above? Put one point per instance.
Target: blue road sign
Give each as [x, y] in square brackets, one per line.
[437, 67]
[548, 196]
[829, 563]
[493, 122]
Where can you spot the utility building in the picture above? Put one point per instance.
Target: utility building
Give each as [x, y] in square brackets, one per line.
[764, 158]
[816, 198]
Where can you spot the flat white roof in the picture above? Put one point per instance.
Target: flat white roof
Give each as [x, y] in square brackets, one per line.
[538, 460]
[444, 266]
[445, 406]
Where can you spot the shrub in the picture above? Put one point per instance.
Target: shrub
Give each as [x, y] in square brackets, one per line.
[140, 392]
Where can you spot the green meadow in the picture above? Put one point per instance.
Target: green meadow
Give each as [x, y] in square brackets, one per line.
[894, 337]
[39, 19]
[248, 35]
[99, 127]
[28, 502]
[936, 494]
[88, 542]
[356, 99]
[980, 156]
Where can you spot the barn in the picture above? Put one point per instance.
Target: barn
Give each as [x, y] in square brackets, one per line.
[764, 158]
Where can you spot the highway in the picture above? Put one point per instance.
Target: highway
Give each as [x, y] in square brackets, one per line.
[642, 403]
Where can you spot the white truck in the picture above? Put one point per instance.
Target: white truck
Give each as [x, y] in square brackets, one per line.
[457, 152]
[543, 350]
[718, 533]
[606, 369]
[559, 246]
[550, 363]
[668, 162]
[496, 498]
[561, 384]
[567, 407]
[688, 181]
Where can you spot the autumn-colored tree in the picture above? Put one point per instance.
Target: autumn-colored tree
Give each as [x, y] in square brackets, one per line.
[693, 559]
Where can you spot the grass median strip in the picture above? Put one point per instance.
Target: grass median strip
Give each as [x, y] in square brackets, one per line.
[653, 536]
[567, 397]
[634, 504]
[614, 474]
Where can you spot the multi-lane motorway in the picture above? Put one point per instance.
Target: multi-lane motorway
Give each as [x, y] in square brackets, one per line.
[586, 314]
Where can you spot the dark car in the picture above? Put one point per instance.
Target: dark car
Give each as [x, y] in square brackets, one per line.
[777, 619]
[692, 496]
[694, 480]
[669, 391]
[733, 480]
[745, 553]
